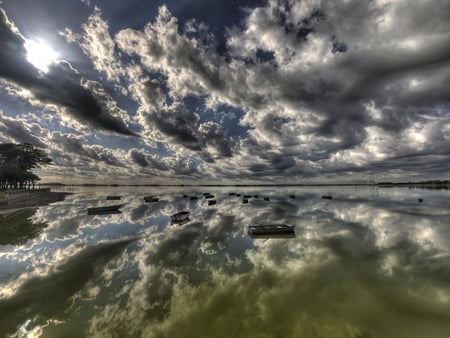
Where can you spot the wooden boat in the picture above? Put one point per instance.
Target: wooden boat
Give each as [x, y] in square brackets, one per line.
[150, 199]
[271, 229]
[180, 216]
[113, 198]
[105, 209]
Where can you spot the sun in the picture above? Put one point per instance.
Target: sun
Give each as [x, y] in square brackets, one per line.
[39, 54]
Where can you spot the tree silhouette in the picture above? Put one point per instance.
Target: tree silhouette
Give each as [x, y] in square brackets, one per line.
[17, 162]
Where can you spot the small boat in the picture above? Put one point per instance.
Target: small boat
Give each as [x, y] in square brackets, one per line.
[267, 199]
[270, 229]
[113, 198]
[180, 216]
[212, 202]
[193, 198]
[150, 199]
[292, 196]
[244, 201]
[232, 194]
[105, 209]
[209, 196]
[327, 197]
[420, 200]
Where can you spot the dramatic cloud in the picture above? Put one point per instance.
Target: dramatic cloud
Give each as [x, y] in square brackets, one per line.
[61, 86]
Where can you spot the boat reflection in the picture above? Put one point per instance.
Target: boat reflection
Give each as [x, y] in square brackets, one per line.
[273, 236]
[180, 223]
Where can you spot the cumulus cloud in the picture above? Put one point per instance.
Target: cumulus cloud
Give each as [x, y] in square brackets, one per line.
[19, 131]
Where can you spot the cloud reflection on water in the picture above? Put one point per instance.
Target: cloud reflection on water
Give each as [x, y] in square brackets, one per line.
[360, 266]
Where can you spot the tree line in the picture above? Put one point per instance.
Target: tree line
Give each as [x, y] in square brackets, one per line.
[16, 164]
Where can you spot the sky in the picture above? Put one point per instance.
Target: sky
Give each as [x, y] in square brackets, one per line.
[184, 91]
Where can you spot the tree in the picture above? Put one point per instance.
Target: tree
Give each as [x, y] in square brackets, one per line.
[17, 162]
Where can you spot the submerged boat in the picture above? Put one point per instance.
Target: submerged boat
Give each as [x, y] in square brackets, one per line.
[150, 199]
[105, 209]
[271, 229]
[180, 216]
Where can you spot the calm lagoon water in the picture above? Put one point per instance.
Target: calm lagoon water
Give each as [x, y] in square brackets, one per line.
[368, 263]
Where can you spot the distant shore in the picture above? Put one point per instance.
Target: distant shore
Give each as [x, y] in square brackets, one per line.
[34, 199]
[436, 184]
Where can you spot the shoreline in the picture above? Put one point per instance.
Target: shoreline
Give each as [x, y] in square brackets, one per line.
[37, 199]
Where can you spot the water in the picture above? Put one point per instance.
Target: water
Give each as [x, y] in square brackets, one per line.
[368, 263]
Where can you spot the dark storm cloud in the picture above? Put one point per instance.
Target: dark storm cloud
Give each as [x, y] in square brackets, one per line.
[60, 86]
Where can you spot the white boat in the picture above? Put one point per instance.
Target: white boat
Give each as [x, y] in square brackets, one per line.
[105, 209]
[271, 229]
[180, 216]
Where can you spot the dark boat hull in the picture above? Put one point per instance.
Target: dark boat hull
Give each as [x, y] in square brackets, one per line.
[270, 229]
[180, 216]
[105, 209]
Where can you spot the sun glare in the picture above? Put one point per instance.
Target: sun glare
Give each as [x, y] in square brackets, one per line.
[40, 55]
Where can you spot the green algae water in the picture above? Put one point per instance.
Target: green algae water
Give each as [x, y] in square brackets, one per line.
[367, 263]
